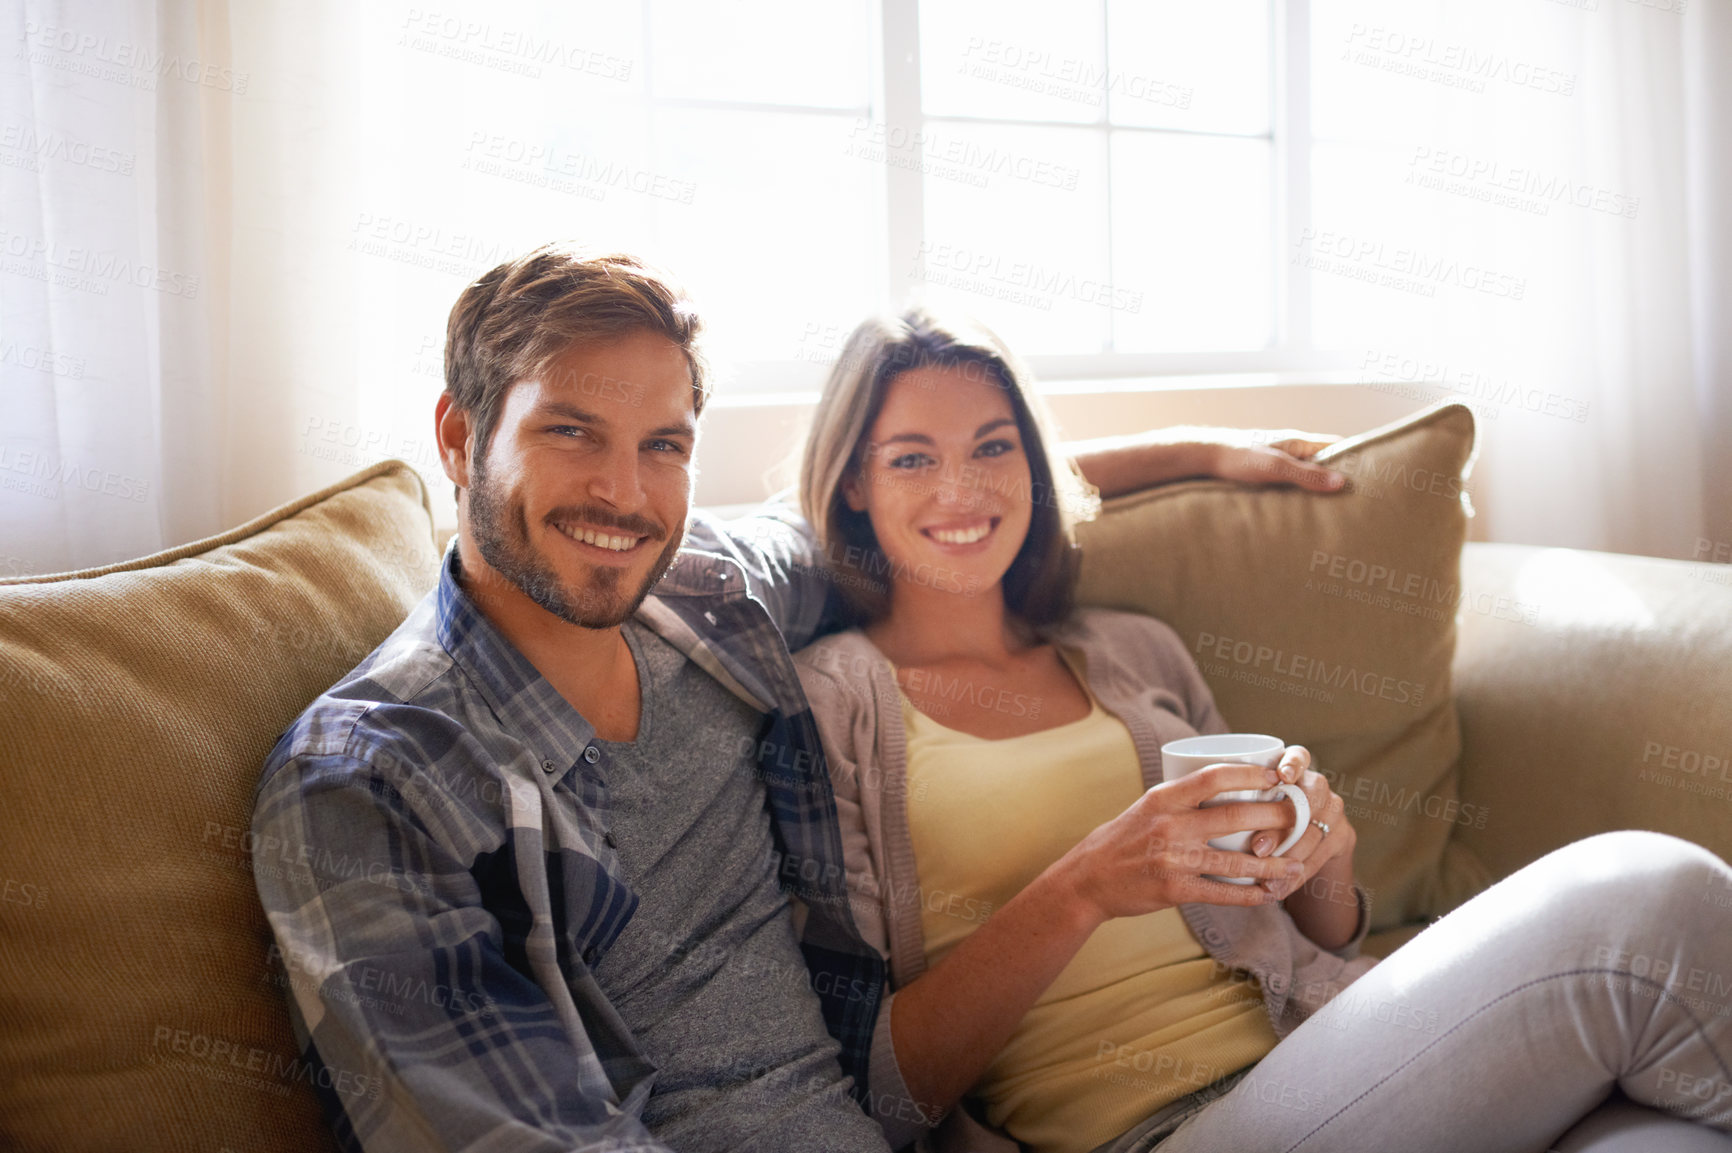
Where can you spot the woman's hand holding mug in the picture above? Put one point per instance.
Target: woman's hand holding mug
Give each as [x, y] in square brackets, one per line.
[1164, 849]
[1328, 835]
[1183, 757]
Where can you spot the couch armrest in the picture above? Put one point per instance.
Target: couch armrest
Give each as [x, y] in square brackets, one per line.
[1595, 693]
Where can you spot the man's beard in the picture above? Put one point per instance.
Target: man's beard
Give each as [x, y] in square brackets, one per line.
[500, 530]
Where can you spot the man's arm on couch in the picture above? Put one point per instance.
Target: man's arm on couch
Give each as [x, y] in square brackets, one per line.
[1122, 464]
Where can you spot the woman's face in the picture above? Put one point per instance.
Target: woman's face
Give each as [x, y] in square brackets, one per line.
[945, 480]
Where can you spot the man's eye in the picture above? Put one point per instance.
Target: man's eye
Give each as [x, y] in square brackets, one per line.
[568, 430]
[995, 448]
[669, 446]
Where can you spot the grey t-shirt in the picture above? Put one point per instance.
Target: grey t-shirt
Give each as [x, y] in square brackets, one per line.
[708, 972]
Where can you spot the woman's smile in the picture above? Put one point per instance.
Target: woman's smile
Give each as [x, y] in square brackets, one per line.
[968, 534]
[945, 481]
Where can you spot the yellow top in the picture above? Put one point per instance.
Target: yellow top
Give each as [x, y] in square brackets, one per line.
[1142, 1015]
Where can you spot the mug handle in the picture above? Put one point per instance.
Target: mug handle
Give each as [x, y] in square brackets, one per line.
[1301, 806]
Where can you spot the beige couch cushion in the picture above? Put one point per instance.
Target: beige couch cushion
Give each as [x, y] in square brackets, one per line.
[1328, 621]
[1595, 693]
[137, 704]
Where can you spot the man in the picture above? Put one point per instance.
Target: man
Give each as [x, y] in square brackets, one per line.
[547, 834]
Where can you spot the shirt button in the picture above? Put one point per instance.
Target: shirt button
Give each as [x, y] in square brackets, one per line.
[547, 766]
[607, 839]
[589, 955]
[592, 754]
[711, 617]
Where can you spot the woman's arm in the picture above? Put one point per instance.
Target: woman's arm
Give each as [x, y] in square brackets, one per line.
[1325, 906]
[949, 1023]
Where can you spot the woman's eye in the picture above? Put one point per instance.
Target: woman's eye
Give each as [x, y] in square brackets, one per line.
[910, 460]
[995, 448]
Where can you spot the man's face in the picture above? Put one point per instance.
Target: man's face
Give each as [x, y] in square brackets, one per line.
[580, 499]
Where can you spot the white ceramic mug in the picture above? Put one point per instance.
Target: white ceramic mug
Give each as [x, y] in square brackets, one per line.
[1179, 758]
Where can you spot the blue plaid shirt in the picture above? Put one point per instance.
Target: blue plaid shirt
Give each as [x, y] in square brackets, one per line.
[435, 866]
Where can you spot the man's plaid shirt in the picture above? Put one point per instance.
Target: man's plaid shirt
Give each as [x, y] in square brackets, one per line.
[434, 862]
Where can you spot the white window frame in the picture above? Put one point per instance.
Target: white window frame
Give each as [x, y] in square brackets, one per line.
[1291, 354]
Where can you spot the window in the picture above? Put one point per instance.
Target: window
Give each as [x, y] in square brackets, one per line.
[1112, 184]
[1099, 178]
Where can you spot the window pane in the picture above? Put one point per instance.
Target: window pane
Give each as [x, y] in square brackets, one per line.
[784, 228]
[770, 51]
[1191, 242]
[1017, 59]
[1016, 236]
[1179, 64]
[466, 155]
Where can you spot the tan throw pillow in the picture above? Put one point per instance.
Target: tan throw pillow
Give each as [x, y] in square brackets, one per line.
[1328, 621]
[138, 1009]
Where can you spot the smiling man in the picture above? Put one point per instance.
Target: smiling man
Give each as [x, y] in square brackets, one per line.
[548, 836]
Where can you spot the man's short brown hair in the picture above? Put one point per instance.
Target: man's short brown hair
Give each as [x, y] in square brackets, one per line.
[513, 322]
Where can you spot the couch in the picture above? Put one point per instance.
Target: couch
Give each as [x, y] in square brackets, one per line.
[141, 1003]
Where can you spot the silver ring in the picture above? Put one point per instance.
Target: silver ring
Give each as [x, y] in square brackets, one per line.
[1320, 825]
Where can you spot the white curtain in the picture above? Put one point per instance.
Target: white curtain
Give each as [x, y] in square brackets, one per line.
[114, 203]
[1547, 185]
[1708, 131]
[230, 234]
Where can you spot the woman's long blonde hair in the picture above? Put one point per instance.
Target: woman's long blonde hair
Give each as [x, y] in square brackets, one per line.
[1039, 584]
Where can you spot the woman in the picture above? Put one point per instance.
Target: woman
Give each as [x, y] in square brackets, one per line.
[1058, 955]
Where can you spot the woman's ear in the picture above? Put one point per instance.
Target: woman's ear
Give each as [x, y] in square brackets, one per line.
[853, 491]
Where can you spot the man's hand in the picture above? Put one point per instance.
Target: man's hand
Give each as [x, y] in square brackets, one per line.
[1117, 465]
[1278, 457]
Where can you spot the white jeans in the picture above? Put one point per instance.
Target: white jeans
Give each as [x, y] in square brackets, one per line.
[1507, 1026]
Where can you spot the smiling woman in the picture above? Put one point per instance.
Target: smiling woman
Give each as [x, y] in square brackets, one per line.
[871, 442]
[944, 496]
[992, 749]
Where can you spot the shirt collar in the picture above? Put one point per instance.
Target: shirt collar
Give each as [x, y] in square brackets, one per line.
[697, 573]
[526, 705]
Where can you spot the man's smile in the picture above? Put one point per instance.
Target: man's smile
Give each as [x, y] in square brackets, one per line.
[619, 542]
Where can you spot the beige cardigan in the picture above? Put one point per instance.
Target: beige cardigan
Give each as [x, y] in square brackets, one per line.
[1139, 671]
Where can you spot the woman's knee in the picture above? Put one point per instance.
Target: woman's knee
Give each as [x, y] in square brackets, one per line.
[1637, 854]
[1634, 869]
[1600, 893]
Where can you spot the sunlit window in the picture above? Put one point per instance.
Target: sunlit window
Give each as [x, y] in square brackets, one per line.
[1110, 183]
[1112, 190]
